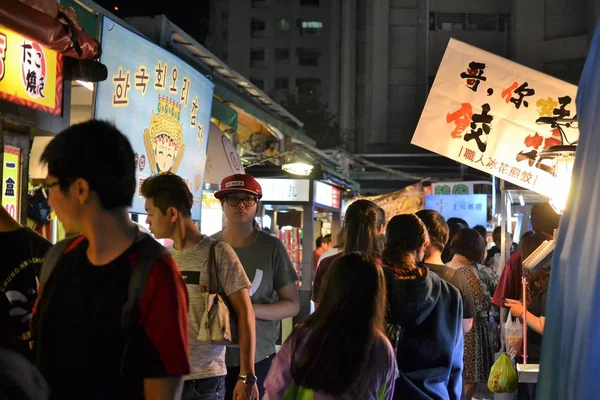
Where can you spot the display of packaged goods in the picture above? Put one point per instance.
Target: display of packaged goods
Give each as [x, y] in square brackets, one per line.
[292, 240]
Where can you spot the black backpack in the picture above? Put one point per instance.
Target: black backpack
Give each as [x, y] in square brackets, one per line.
[149, 252]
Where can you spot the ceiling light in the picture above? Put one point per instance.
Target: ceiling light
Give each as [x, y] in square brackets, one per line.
[298, 168]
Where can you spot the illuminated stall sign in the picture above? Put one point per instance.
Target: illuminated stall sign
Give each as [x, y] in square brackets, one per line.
[161, 103]
[30, 74]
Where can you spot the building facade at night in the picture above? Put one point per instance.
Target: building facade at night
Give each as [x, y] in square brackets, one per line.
[373, 62]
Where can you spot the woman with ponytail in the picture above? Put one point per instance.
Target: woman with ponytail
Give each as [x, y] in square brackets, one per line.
[364, 222]
[428, 313]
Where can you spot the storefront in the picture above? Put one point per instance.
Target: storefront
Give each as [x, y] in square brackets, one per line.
[298, 211]
[161, 104]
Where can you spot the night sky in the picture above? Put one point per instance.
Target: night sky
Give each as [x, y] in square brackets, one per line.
[193, 21]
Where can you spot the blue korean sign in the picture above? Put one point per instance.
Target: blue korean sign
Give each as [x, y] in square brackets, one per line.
[161, 103]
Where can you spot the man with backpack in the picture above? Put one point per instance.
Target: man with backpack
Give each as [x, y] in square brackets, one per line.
[204, 262]
[111, 317]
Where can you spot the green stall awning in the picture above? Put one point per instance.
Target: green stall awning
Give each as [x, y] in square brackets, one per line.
[222, 112]
[252, 109]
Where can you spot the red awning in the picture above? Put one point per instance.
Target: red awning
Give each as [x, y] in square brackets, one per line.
[46, 23]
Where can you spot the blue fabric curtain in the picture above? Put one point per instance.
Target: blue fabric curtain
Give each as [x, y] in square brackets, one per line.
[571, 346]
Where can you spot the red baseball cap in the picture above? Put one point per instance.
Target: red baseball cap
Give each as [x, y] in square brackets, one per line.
[239, 183]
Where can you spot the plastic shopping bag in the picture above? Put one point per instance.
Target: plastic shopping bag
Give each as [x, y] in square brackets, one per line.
[513, 334]
[503, 376]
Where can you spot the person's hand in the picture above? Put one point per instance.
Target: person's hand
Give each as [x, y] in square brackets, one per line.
[245, 392]
[516, 307]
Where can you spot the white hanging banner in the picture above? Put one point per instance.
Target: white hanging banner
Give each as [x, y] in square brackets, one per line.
[495, 115]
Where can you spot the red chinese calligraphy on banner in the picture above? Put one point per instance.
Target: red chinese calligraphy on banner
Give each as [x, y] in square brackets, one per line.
[497, 116]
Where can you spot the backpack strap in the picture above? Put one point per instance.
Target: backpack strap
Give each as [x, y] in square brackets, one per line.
[213, 276]
[148, 253]
[52, 256]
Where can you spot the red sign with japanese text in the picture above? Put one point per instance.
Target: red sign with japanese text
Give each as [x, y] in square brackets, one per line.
[30, 74]
[497, 116]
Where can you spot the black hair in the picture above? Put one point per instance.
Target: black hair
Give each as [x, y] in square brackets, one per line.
[168, 190]
[332, 347]
[405, 234]
[481, 230]
[469, 244]
[497, 235]
[438, 230]
[99, 153]
[319, 241]
[455, 221]
[363, 221]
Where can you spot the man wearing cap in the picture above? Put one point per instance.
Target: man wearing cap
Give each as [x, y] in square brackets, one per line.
[273, 293]
[168, 204]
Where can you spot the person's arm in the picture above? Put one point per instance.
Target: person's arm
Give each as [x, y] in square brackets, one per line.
[467, 325]
[287, 306]
[246, 326]
[517, 309]
[169, 388]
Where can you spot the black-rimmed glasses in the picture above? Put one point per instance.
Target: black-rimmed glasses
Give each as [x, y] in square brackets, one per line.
[248, 201]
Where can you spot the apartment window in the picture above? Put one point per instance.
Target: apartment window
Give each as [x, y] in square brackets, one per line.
[258, 82]
[283, 24]
[257, 57]
[308, 87]
[309, 2]
[468, 22]
[225, 16]
[311, 28]
[308, 57]
[282, 83]
[258, 28]
[282, 54]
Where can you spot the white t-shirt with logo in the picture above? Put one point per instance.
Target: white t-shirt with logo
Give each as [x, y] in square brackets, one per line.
[207, 360]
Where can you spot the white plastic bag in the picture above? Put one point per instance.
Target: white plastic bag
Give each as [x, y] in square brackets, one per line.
[513, 334]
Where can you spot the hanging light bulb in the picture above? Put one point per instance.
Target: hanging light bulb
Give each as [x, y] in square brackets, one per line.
[561, 161]
[298, 168]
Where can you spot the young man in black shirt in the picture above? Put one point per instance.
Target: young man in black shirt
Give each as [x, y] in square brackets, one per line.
[83, 347]
[23, 252]
[439, 235]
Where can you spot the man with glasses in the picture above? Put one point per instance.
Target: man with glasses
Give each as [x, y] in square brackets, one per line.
[274, 293]
[168, 204]
[83, 348]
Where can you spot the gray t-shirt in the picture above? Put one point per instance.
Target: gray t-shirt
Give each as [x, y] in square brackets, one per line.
[207, 360]
[268, 265]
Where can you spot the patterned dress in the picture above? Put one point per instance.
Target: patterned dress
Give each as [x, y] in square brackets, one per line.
[479, 348]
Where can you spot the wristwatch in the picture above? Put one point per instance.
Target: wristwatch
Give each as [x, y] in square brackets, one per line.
[249, 380]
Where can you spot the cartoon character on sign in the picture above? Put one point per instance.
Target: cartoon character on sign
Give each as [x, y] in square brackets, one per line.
[33, 69]
[164, 138]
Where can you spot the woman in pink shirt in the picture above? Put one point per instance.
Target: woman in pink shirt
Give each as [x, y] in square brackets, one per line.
[340, 351]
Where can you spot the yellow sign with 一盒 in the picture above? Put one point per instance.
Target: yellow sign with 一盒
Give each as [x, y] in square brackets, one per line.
[30, 74]
[10, 180]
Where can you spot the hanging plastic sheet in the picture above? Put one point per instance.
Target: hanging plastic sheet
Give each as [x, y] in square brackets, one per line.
[571, 344]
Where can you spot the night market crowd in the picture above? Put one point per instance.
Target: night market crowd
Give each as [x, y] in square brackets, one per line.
[405, 308]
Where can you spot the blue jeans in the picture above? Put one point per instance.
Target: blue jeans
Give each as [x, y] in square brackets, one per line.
[204, 389]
